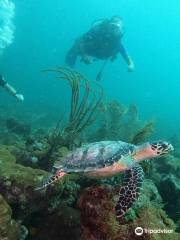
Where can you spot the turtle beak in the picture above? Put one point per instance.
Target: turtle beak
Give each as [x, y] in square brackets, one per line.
[171, 148]
[168, 147]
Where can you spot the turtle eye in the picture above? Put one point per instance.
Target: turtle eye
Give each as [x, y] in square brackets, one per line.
[154, 146]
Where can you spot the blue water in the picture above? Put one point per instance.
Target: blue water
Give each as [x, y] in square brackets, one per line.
[45, 30]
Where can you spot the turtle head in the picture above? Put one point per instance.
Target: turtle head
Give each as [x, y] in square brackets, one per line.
[153, 149]
[161, 148]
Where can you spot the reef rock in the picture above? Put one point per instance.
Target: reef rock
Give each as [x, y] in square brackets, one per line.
[51, 207]
[99, 222]
[167, 178]
[9, 228]
[13, 125]
[17, 184]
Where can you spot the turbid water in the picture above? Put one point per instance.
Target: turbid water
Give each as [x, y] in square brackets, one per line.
[44, 31]
[36, 35]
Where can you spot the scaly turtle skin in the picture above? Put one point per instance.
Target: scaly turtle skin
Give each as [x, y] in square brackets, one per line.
[108, 158]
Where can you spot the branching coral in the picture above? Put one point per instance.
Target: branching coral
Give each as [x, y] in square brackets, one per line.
[85, 101]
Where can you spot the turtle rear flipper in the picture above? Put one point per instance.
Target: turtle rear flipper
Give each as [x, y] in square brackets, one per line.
[130, 190]
[52, 179]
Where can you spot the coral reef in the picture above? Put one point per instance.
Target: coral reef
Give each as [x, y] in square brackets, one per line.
[17, 184]
[78, 207]
[98, 218]
[60, 224]
[85, 100]
[9, 228]
[84, 103]
[176, 143]
[32, 151]
[166, 174]
[144, 133]
[56, 207]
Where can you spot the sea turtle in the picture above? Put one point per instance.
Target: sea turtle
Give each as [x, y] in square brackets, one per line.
[107, 158]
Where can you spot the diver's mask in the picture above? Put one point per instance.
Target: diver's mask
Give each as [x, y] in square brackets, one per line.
[117, 28]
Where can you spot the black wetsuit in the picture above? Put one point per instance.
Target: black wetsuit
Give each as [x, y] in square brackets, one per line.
[99, 42]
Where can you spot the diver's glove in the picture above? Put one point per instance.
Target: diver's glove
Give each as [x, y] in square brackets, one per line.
[11, 90]
[19, 97]
[131, 66]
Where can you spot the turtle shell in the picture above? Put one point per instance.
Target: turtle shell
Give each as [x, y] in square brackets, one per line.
[97, 155]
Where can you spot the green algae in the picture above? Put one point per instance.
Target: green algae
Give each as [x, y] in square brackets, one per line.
[12, 172]
[18, 183]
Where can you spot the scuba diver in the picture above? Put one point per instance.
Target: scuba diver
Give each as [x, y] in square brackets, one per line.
[102, 41]
[10, 89]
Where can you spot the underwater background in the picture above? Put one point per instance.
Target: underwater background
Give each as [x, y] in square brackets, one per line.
[45, 31]
[35, 35]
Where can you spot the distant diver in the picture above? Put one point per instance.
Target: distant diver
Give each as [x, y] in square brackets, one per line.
[102, 41]
[10, 89]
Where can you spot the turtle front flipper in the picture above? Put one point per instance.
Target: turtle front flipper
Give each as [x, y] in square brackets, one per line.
[52, 179]
[130, 190]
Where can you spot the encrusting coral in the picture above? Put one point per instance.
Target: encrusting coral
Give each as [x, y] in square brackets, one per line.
[9, 228]
[57, 206]
[17, 185]
[166, 174]
[98, 219]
